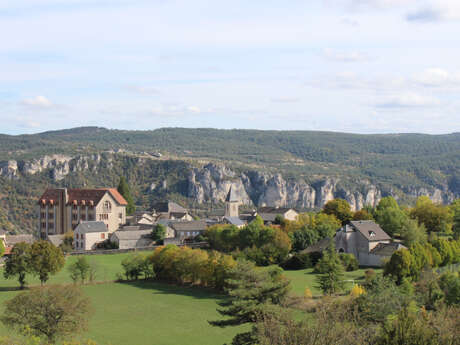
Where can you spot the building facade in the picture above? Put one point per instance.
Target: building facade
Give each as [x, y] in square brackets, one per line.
[88, 234]
[62, 209]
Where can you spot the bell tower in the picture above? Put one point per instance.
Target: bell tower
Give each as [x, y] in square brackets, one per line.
[231, 204]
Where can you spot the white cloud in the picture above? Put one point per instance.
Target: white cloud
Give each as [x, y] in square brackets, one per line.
[38, 101]
[345, 56]
[438, 77]
[145, 90]
[285, 100]
[175, 110]
[194, 109]
[408, 99]
[436, 10]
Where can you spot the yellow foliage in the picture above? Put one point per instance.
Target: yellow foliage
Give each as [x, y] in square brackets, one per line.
[357, 291]
[307, 293]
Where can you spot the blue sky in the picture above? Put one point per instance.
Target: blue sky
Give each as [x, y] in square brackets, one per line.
[363, 66]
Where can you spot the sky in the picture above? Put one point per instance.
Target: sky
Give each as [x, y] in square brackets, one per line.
[360, 66]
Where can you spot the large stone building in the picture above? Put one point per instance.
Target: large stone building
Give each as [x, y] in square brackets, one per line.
[62, 209]
[367, 241]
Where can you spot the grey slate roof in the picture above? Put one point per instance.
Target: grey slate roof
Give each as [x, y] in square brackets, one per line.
[370, 230]
[3, 232]
[274, 210]
[11, 240]
[132, 235]
[91, 226]
[231, 196]
[387, 249]
[169, 207]
[234, 221]
[194, 225]
[137, 227]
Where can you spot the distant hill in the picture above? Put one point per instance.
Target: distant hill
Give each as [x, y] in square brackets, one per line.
[405, 165]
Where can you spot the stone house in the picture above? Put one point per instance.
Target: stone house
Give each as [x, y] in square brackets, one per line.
[188, 230]
[367, 241]
[89, 233]
[11, 240]
[62, 209]
[128, 239]
[170, 210]
[268, 214]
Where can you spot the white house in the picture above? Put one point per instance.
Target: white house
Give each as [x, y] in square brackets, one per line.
[268, 214]
[89, 233]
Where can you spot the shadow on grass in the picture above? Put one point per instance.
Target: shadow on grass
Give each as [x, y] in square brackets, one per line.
[162, 288]
[12, 288]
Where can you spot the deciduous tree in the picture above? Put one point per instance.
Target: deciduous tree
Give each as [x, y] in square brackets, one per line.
[45, 259]
[51, 312]
[17, 264]
[339, 208]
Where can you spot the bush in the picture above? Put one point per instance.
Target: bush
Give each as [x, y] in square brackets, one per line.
[107, 244]
[349, 261]
[450, 284]
[297, 261]
[137, 265]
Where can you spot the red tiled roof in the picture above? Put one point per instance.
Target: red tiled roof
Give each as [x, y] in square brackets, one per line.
[81, 196]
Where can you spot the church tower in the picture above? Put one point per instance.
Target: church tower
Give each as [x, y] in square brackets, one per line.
[231, 204]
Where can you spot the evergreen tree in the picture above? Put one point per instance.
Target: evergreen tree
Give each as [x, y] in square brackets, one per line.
[330, 266]
[158, 232]
[123, 189]
[252, 293]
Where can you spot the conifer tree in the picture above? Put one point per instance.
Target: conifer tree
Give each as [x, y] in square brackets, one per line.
[123, 189]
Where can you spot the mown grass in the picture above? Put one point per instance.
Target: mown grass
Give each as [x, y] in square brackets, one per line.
[145, 313]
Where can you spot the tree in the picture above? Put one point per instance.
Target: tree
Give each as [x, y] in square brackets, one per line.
[362, 215]
[67, 243]
[17, 264]
[79, 270]
[45, 259]
[250, 291]
[330, 280]
[339, 208]
[123, 189]
[455, 207]
[435, 217]
[400, 266]
[412, 232]
[2, 248]
[158, 232]
[51, 312]
[390, 217]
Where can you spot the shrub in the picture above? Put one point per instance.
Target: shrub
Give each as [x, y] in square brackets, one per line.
[297, 261]
[450, 284]
[349, 261]
[357, 291]
[307, 293]
[137, 265]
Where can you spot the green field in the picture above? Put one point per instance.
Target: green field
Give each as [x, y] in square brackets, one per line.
[146, 313]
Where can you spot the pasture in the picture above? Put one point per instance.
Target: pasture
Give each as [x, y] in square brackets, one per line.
[146, 313]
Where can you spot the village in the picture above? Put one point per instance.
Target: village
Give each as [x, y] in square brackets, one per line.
[96, 220]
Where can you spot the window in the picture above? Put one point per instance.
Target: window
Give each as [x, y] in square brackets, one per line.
[107, 206]
[103, 216]
[82, 236]
[102, 236]
[371, 234]
[120, 215]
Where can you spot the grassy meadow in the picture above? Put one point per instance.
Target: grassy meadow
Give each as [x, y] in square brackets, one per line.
[146, 313]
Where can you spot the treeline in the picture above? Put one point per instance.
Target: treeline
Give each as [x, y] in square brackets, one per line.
[181, 265]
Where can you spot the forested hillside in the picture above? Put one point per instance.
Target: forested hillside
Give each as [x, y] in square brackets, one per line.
[315, 164]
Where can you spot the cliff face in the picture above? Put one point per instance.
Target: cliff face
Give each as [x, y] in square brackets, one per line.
[211, 183]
